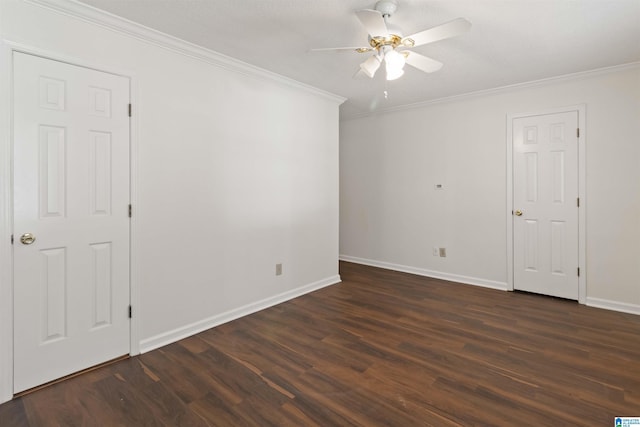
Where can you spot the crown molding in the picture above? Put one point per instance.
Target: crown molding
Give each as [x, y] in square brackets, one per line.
[112, 22]
[498, 90]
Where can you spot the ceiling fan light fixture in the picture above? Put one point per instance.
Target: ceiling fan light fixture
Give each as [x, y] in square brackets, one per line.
[384, 38]
[394, 74]
[394, 62]
[371, 65]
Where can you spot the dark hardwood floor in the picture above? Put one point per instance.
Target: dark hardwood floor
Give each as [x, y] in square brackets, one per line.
[380, 349]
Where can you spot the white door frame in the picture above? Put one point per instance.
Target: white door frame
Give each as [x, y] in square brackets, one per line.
[6, 204]
[582, 178]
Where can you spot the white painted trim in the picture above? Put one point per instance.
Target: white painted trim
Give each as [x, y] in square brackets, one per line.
[177, 334]
[121, 25]
[622, 307]
[134, 227]
[499, 90]
[71, 60]
[509, 204]
[6, 253]
[7, 48]
[427, 273]
[582, 193]
[582, 211]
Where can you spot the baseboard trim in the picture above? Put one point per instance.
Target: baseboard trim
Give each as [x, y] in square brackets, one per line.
[502, 286]
[613, 305]
[177, 334]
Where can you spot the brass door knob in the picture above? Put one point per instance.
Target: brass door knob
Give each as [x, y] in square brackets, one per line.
[27, 238]
[518, 212]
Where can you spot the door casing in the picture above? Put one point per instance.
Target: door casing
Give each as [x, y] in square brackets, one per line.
[6, 203]
[581, 110]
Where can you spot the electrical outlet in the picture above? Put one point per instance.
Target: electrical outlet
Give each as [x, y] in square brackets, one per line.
[436, 251]
[443, 252]
[278, 269]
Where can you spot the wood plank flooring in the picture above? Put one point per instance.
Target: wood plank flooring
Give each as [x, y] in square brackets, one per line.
[380, 349]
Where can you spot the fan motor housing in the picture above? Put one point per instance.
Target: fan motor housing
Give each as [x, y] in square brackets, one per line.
[387, 7]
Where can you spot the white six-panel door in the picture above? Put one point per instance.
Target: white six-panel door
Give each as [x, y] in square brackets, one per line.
[545, 203]
[71, 193]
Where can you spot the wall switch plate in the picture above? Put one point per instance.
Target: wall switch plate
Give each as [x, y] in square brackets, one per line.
[278, 269]
[443, 252]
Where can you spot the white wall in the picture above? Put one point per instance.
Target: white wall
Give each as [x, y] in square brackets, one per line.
[235, 173]
[391, 215]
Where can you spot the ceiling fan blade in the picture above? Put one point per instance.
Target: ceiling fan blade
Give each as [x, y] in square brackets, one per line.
[342, 49]
[444, 31]
[373, 22]
[421, 62]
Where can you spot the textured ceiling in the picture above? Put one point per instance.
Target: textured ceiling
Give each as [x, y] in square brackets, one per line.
[511, 41]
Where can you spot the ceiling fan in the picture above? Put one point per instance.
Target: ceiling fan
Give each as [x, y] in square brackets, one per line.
[388, 45]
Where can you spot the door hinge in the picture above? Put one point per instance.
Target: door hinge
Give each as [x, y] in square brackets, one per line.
[577, 129]
[578, 201]
[578, 271]
[129, 110]
[12, 239]
[129, 312]
[130, 211]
